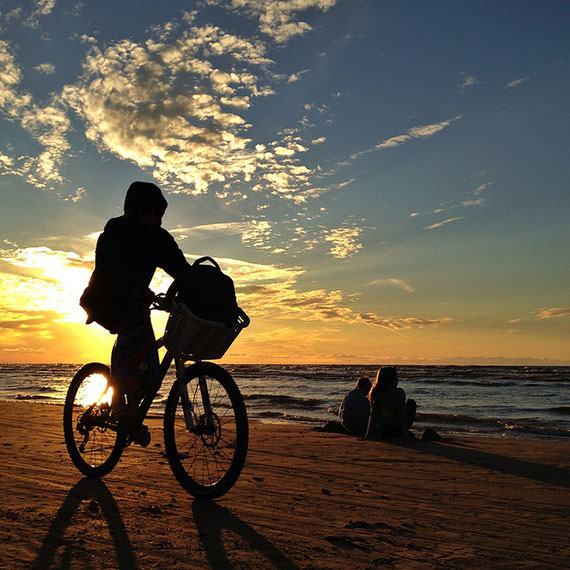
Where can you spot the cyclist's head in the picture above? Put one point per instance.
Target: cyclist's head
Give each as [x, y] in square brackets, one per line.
[145, 201]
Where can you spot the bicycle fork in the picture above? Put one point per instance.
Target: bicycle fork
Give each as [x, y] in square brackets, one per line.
[197, 424]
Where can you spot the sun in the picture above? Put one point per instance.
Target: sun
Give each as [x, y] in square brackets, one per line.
[94, 390]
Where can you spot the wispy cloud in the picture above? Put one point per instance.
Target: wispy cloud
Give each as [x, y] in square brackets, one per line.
[41, 279]
[174, 104]
[517, 82]
[48, 125]
[166, 106]
[225, 228]
[554, 313]
[443, 223]
[41, 8]
[400, 283]
[45, 68]
[474, 198]
[346, 241]
[317, 192]
[481, 188]
[468, 81]
[279, 20]
[284, 301]
[40, 287]
[294, 77]
[77, 196]
[423, 131]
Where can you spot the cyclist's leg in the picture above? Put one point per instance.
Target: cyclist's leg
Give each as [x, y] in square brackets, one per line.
[129, 368]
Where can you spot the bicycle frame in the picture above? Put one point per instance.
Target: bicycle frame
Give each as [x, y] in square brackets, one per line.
[187, 408]
[145, 404]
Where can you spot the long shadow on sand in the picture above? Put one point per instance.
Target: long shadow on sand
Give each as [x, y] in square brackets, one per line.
[72, 553]
[457, 451]
[211, 519]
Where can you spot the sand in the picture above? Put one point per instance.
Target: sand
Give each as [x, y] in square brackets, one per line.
[306, 499]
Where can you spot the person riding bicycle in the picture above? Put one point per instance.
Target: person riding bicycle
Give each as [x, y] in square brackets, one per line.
[127, 254]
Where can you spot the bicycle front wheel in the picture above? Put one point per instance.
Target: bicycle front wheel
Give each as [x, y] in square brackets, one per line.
[93, 442]
[206, 431]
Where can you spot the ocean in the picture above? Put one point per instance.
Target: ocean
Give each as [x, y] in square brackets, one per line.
[507, 401]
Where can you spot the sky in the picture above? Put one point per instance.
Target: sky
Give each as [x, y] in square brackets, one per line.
[386, 182]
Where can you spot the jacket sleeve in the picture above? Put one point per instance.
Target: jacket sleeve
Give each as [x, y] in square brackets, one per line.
[172, 259]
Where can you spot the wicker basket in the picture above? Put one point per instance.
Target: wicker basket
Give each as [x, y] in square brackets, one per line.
[200, 339]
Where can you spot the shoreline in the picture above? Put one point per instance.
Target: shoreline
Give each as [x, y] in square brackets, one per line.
[306, 499]
[316, 424]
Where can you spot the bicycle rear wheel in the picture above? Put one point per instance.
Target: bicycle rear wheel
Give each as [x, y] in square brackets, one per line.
[93, 442]
[206, 431]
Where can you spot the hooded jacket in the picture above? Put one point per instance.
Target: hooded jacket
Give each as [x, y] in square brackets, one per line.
[126, 257]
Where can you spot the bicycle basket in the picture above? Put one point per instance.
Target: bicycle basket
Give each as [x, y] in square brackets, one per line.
[189, 335]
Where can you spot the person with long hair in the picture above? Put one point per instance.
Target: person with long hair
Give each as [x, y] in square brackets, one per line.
[390, 414]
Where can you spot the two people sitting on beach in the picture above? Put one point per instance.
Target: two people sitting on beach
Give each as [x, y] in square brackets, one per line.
[379, 409]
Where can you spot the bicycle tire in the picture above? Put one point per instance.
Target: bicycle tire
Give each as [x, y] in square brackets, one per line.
[101, 447]
[208, 460]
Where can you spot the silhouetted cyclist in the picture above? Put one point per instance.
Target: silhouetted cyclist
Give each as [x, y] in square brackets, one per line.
[128, 252]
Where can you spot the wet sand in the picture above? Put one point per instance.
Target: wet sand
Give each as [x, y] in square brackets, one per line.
[306, 499]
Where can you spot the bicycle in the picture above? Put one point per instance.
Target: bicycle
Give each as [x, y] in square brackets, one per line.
[205, 419]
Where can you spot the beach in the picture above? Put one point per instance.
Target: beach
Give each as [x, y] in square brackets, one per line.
[306, 499]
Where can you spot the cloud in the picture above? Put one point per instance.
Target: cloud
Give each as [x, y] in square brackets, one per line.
[400, 323]
[279, 20]
[45, 68]
[517, 82]
[419, 132]
[282, 300]
[174, 106]
[478, 202]
[77, 196]
[48, 125]
[439, 224]
[481, 188]
[400, 283]
[225, 228]
[554, 313]
[40, 288]
[294, 77]
[42, 281]
[316, 192]
[345, 241]
[41, 8]
[468, 81]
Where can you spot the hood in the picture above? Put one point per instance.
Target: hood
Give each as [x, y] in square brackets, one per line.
[141, 195]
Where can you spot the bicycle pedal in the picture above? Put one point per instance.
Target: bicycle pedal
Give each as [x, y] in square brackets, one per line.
[141, 436]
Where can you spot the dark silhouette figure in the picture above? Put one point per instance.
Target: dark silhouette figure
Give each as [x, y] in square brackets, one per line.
[354, 409]
[390, 414]
[128, 252]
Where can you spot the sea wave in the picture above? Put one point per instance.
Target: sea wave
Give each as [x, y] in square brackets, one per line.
[563, 410]
[281, 400]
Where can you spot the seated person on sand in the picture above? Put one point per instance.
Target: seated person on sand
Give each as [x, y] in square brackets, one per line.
[354, 409]
[390, 414]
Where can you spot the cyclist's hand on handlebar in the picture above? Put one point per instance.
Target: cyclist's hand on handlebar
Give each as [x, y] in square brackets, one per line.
[161, 302]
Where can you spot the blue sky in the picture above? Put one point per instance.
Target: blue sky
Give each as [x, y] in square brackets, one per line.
[385, 181]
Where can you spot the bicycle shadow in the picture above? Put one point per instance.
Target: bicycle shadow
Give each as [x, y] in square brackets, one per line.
[463, 453]
[73, 554]
[212, 519]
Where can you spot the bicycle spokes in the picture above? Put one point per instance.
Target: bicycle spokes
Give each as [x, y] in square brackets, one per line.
[206, 431]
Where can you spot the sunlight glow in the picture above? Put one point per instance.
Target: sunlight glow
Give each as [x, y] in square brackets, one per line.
[94, 390]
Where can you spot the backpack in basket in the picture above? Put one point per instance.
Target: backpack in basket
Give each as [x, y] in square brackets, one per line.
[209, 293]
